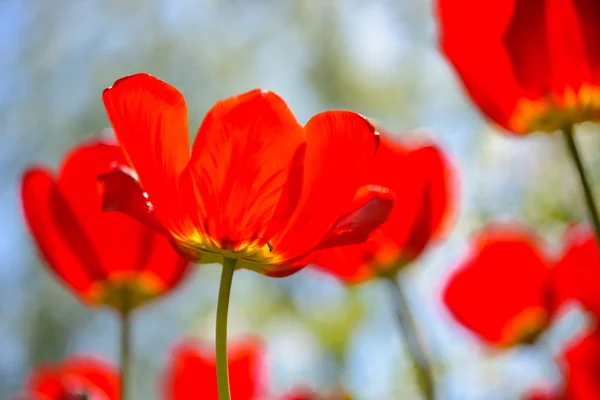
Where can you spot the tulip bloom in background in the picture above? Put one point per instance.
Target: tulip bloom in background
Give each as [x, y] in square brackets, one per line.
[424, 182]
[530, 65]
[192, 374]
[105, 259]
[502, 290]
[256, 191]
[75, 378]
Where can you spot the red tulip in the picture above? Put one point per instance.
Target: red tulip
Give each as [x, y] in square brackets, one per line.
[424, 183]
[530, 65]
[107, 259]
[256, 186]
[73, 378]
[576, 276]
[192, 372]
[501, 291]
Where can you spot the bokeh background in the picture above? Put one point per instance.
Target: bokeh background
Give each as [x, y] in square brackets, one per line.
[376, 57]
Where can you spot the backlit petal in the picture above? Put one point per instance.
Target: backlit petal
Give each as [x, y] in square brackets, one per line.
[589, 14]
[150, 121]
[243, 155]
[339, 145]
[60, 238]
[576, 276]
[473, 41]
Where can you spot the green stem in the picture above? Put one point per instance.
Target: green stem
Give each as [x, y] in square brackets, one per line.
[221, 333]
[585, 184]
[422, 366]
[125, 352]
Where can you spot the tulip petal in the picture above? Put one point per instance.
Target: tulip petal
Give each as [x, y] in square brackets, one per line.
[60, 238]
[527, 43]
[123, 193]
[576, 275]
[369, 210]
[473, 42]
[243, 155]
[501, 290]
[589, 15]
[150, 121]
[340, 143]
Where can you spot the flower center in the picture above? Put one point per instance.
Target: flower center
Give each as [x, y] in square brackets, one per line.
[126, 291]
[555, 112]
[525, 327]
[201, 248]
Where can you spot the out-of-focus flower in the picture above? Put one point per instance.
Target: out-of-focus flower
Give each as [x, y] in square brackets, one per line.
[256, 186]
[108, 259]
[73, 379]
[576, 276]
[192, 374]
[424, 184]
[530, 65]
[502, 290]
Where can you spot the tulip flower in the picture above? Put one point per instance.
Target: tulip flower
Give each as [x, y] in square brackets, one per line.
[75, 378]
[256, 191]
[105, 259]
[256, 186]
[501, 290]
[529, 65]
[421, 177]
[424, 182]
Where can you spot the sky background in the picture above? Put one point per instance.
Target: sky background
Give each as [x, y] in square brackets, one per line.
[379, 58]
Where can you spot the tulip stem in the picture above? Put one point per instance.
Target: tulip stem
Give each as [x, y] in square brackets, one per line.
[221, 333]
[585, 184]
[421, 363]
[125, 351]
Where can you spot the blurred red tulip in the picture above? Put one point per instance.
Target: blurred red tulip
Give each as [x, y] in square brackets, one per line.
[530, 65]
[501, 291]
[107, 259]
[73, 378]
[192, 372]
[256, 186]
[424, 183]
[576, 276]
